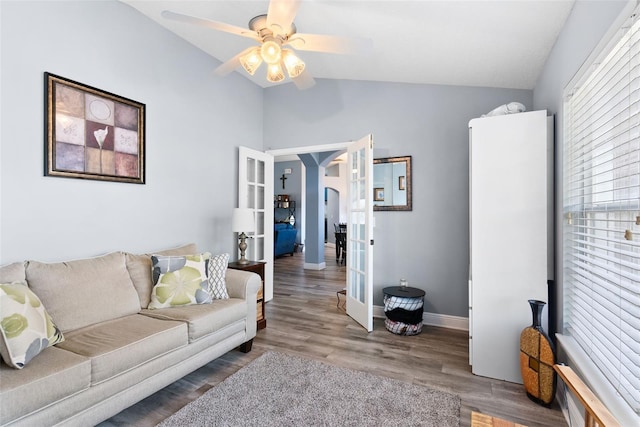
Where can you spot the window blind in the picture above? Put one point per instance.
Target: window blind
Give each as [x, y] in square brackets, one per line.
[601, 205]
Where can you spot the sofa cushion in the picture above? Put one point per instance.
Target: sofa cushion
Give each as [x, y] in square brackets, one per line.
[217, 273]
[204, 319]
[83, 292]
[26, 328]
[179, 280]
[12, 273]
[139, 267]
[119, 345]
[53, 375]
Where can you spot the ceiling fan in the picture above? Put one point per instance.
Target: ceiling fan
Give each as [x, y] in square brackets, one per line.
[275, 31]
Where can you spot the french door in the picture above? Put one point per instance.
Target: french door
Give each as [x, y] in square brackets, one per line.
[360, 232]
[255, 191]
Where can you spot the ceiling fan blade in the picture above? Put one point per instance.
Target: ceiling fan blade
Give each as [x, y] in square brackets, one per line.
[214, 25]
[231, 64]
[330, 44]
[304, 81]
[281, 14]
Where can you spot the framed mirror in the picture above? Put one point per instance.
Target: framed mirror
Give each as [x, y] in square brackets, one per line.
[392, 184]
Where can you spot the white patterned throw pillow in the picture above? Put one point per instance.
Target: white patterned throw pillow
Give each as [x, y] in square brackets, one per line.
[217, 271]
[26, 329]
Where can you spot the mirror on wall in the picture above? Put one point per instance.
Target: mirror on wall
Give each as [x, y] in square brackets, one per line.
[392, 184]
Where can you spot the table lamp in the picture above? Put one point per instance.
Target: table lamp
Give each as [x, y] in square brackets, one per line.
[242, 222]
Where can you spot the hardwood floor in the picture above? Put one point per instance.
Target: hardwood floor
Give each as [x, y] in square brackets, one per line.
[303, 320]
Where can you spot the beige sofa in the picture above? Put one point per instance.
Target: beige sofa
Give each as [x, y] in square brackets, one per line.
[115, 352]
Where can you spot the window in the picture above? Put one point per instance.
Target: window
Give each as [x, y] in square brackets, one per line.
[601, 207]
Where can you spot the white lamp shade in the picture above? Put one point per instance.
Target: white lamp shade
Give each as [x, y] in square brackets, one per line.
[242, 220]
[292, 63]
[251, 61]
[275, 73]
[271, 52]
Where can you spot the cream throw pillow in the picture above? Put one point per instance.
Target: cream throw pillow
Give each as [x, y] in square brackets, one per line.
[26, 329]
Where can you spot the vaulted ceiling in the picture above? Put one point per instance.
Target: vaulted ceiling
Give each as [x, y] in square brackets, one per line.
[468, 43]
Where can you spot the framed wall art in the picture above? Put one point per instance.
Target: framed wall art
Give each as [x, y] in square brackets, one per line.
[92, 134]
[378, 194]
[387, 171]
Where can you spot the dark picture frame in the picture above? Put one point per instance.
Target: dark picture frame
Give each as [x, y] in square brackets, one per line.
[378, 194]
[92, 134]
[387, 170]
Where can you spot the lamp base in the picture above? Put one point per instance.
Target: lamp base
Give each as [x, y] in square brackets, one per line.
[243, 247]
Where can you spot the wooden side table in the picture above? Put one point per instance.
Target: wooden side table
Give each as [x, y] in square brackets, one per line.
[258, 268]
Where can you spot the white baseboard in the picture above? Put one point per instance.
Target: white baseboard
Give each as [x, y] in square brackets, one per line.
[309, 266]
[433, 319]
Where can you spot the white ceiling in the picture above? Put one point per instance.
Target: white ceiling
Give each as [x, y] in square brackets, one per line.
[454, 42]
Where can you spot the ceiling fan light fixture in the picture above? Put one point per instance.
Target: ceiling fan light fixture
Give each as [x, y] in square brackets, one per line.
[271, 52]
[275, 73]
[251, 61]
[293, 64]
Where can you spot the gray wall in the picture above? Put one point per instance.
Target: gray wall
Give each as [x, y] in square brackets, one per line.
[428, 246]
[194, 122]
[585, 27]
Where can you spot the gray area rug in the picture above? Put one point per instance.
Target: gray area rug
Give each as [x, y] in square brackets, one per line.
[282, 390]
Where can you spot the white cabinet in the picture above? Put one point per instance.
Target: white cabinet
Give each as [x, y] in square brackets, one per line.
[511, 203]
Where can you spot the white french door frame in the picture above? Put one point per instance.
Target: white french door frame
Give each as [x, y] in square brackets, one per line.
[255, 191]
[360, 311]
[359, 298]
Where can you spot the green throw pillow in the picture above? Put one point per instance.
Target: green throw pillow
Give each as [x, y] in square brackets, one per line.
[179, 280]
[26, 328]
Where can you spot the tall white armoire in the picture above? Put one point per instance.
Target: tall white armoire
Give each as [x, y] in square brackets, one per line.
[511, 217]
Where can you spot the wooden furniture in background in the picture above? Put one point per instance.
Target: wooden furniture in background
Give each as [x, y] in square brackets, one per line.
[258, 268]
[284, 210]
[595, 413]
[341, 242]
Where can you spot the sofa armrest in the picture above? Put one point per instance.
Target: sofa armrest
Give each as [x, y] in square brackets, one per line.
[243, 284]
